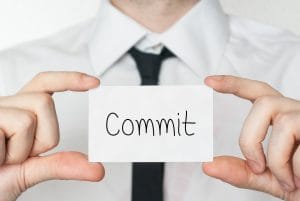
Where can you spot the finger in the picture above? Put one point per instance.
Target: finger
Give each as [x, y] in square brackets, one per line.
[253, 134]
[284, 136]
[254, 131]
[42, 105]
[255, 128]
[243, 88]
[2, 147]
[296, 167]
[19, 127]
[50, 82]
[62, 166]
[257, 123]
[236, 172]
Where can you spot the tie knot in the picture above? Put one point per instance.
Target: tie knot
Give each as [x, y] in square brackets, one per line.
[149, 64]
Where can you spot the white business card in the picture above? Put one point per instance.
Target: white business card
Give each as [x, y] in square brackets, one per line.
[151, 124]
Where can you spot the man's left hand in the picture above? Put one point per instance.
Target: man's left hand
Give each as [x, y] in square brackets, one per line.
[278, 171]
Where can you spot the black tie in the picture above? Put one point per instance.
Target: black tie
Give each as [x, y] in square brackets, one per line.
[147, 178]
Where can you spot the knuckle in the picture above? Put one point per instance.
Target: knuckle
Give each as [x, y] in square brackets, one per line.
[270, 89]
[246, 142]
[14, 159]
[80, 77]
[50, 144]
[264, 101]
[246, 147]
[44, 100]
[284, 121]
[53, 143]
[40, 76]
[282, 118]
[9, 159]
[230, 82]
[27, 121]
[243, 142]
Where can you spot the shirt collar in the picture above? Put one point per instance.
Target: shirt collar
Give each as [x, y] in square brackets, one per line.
[114, 34]
[198, 39]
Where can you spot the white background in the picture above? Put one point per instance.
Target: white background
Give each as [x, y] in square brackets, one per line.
[23, 20]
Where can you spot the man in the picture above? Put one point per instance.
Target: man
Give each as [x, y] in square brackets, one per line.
[201, 41]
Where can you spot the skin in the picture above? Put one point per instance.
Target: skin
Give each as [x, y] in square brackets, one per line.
[29, 126]
[278, 171]
[156, 15]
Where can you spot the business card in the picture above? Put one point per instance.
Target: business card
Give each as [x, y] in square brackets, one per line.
[151, 124]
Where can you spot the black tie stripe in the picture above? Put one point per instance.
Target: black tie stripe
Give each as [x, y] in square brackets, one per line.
[149, 64]
[147, 178]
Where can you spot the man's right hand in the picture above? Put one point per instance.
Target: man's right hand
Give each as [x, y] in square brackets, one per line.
[29, 127]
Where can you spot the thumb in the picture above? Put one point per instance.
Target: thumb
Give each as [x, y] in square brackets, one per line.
[61, 166]
[59, 81]
[236, 172]
[241, 87]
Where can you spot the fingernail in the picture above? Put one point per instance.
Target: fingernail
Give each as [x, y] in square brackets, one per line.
[216, 77]
[90, 79]
[207, 163]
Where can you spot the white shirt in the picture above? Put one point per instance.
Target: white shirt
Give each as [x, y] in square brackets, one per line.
[206, 41]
